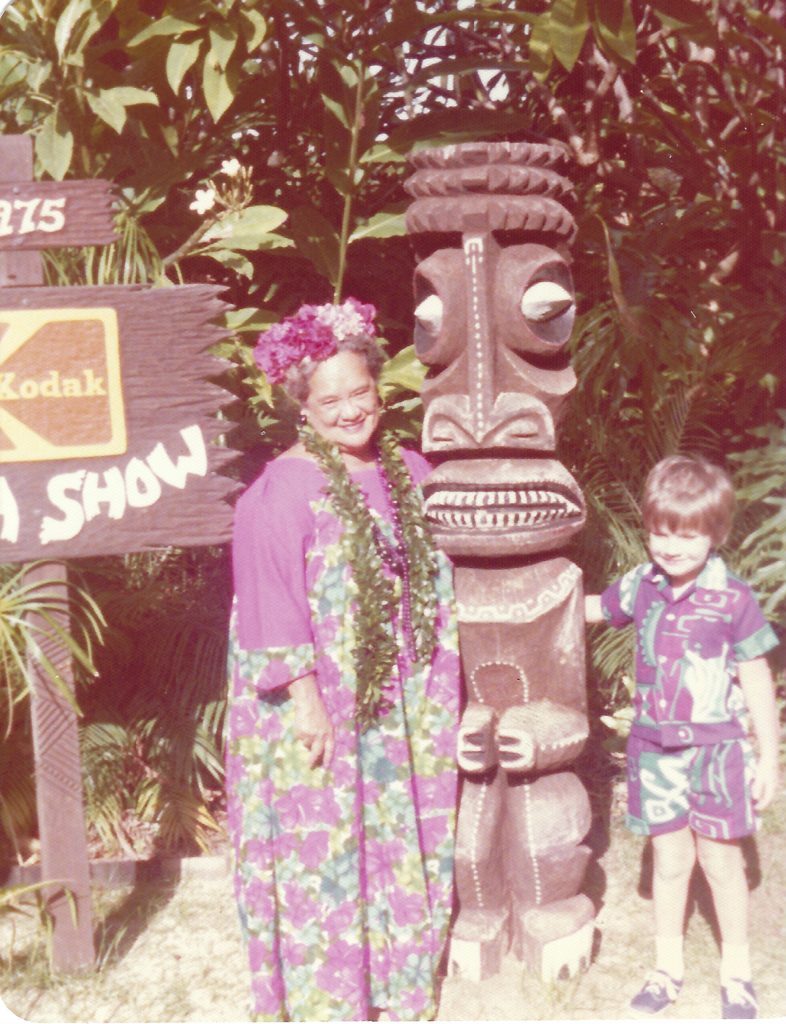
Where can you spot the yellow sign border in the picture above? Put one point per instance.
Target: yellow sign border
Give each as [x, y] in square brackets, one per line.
[34, 447]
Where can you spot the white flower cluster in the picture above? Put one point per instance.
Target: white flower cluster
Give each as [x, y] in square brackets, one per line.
[206, 198]
[231, 167]
[344, 320]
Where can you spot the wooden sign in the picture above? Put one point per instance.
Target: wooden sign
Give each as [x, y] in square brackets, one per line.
[41, 214]
[107, 421]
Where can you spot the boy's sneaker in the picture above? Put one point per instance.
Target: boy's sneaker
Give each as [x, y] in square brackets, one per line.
[659, 990]
[738, 1000]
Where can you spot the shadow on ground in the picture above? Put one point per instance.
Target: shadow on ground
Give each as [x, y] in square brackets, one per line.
[118, 932]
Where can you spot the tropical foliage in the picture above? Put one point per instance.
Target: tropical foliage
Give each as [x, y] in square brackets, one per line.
[262, 145]
[44, 622]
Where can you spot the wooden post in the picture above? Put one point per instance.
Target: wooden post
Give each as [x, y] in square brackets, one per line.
[61, 819]
[61, 815]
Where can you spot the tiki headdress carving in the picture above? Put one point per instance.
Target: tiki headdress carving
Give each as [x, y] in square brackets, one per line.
[494, 311]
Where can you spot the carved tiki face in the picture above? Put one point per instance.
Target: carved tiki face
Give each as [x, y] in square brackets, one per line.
[494, 311]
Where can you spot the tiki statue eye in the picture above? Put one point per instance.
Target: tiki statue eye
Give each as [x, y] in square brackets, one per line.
[429, 314]
[440, 305]
[544, 301]
[534, 300]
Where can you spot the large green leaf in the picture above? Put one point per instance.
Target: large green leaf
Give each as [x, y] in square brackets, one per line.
[110, 104]
[65, 25]
[403, 372]
[541, 53]
[316, 239]
[336, 108]
[54, 145]
[14, 69]
[382, 153]
[88, 27]
[169, 25]
[223, 40]
[216, 86]
[130, 95]
[108, 108]
[254, 28]
[681, 13]
[180, 58]
[253, 221]
[385, 224]
[232, 260]
[615, 25]
[249, 319]
[568, 27]
[250, 241]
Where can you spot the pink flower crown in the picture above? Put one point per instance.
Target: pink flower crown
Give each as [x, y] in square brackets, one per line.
[313, 333]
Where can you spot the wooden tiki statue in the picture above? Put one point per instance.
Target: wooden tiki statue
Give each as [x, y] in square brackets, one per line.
[491, 225]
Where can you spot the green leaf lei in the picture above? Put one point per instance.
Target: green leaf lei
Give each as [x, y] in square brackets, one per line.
[376, 650]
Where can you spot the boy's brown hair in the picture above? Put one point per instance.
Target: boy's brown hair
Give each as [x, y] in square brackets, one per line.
[688, 493]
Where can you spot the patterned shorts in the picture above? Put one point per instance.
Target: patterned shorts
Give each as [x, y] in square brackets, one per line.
[707, 788]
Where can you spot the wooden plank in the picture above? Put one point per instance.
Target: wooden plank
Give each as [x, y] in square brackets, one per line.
[101, 461]
[58, 778]
[43, 214]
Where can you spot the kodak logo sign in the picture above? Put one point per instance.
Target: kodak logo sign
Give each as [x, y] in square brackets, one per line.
[50, 385]
[60, 385]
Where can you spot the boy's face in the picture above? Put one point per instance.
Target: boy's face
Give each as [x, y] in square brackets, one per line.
[680, 554]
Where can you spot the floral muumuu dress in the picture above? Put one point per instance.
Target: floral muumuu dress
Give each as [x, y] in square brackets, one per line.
[343, 875]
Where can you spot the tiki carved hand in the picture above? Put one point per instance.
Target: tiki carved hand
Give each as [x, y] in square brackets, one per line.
[477, 746]
[540, 736]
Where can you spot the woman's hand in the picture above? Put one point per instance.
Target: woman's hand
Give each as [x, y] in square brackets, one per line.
[312, 723]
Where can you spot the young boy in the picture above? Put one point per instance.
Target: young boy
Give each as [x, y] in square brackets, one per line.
[694, 784]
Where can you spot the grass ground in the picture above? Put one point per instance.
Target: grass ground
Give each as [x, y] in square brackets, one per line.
[171, 950]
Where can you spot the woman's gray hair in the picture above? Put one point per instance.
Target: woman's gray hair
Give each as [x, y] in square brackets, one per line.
[297, 380]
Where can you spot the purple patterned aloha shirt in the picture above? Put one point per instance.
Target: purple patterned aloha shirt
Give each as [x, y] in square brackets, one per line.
[689, 757]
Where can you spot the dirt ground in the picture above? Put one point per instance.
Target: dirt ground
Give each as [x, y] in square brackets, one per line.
[172, 950]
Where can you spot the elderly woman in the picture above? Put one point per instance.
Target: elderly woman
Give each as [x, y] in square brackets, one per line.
[340, 770]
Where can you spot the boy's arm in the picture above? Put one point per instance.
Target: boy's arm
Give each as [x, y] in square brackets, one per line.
[592, 609]
[756, 682]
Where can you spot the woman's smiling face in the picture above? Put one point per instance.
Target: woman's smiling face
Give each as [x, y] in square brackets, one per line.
[343, 404]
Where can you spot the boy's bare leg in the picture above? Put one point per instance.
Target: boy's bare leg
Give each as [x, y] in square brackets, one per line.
[674, 857]
[724, 866]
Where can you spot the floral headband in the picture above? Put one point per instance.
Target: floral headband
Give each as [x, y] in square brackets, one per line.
[312, 334]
